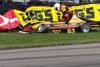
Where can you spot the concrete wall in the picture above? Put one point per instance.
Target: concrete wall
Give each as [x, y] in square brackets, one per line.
[76, 1]
[21, 0]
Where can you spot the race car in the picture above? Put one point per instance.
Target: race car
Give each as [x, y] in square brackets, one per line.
[88, 11]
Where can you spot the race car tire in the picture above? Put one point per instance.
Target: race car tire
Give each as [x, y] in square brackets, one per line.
[41, 28]
[85, 27]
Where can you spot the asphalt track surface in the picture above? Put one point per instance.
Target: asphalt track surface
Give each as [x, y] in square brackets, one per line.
[86, 55]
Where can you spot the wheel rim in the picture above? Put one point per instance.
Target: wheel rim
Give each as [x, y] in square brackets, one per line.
[85, 27]
[41, 28]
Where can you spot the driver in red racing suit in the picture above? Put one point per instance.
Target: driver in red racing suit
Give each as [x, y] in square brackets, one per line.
[67, 14]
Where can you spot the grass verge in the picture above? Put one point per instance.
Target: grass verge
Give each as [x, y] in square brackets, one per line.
[11, 40]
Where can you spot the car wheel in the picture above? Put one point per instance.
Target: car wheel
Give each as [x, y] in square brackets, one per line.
[85, 27]
[41, 28]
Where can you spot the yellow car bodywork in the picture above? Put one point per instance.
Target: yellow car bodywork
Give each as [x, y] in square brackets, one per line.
[35, 14]
[88, 12]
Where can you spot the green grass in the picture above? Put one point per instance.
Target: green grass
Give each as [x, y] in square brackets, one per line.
[9, 40]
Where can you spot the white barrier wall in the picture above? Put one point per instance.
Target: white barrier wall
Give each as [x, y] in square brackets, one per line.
[21, 0]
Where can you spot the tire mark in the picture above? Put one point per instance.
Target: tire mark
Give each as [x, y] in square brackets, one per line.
[46, 57]
[50, 50]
